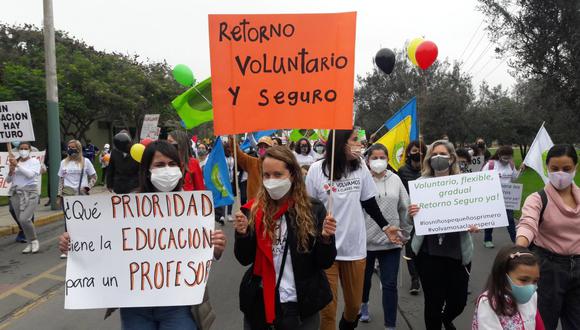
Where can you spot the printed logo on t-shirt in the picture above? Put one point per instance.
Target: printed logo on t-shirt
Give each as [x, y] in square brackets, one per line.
[344, 186]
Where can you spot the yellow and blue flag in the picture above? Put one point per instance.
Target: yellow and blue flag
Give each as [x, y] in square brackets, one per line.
[216, 176]
[402, 128]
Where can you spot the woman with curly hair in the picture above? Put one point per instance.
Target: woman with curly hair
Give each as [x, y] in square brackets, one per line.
[289, 240]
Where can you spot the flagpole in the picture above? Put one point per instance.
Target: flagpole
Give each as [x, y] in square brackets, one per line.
[380, 128]
[237, 199]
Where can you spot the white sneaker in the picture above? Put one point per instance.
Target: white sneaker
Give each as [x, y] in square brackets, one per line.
[27, 249]
[35, 246]
[63, 256]
[230, 218]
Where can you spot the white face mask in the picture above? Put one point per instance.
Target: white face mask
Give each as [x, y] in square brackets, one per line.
[24, 153]
[277, 188]
[561, 180]
[165, 179]
[378, 165]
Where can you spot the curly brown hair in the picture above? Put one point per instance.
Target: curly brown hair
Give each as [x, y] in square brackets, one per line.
[301, 208]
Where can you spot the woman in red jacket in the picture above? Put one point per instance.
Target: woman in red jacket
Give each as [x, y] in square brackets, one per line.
[192, 175]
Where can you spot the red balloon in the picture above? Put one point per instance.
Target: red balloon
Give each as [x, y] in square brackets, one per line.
[426, 54]
[146, 142]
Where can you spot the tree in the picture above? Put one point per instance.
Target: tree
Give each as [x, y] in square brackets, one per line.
[542, 39]
[443, 95]
[93, 85]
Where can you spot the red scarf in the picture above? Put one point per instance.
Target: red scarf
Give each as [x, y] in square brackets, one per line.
[264, 260]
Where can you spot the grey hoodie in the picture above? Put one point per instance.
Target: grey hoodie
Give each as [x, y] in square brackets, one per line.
[393, 201]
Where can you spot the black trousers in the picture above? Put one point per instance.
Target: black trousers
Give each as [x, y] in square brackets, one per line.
[444, 282]
[559, 290]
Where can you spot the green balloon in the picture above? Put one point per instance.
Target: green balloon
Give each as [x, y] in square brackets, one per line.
[182, 73]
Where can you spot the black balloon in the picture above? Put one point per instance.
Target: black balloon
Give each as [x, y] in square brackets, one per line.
[122, 142]
[385, 60]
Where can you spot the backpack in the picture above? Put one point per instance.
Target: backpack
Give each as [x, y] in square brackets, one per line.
[544, 198]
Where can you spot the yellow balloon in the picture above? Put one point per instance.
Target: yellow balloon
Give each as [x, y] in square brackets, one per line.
[412, 48]
[137, 152]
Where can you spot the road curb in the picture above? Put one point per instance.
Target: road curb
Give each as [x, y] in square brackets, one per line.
[39, 222]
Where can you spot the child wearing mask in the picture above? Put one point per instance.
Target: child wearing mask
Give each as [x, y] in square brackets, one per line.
[509, 300]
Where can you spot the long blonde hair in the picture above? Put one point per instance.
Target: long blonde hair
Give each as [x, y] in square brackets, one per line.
[79, 156]
[428, 170]
[301, 208]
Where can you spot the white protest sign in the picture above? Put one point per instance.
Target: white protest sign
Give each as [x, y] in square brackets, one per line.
[15, 122]
[453, 203]
[150, 129]
[476, 165]
[5, 168]
[512, 195]
[138, 250]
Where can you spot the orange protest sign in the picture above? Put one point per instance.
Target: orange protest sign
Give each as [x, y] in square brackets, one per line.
[282, 71]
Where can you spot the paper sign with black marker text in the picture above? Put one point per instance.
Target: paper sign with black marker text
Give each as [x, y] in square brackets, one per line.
[512, 195]
[15, 122]
[138, 250]
[453, 203]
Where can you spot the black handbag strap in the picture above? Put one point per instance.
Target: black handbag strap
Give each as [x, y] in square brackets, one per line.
[82, 175]
[283, 260]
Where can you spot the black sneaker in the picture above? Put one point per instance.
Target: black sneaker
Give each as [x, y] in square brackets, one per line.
[415, 287]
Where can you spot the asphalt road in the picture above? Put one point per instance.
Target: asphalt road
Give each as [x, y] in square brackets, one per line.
[32, 294]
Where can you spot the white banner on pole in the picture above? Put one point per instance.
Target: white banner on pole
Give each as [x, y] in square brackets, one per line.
[5, 168]
[512, 195]
[15, 122]
[453, 203]
[138, 250]
[150, 129]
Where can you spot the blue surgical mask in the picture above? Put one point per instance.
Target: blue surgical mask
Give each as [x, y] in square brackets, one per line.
[522, 293]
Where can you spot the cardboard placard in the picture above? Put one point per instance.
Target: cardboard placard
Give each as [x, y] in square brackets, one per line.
[15, 122]
[5, 168]
[149, 130]
[138, 250]
[477, 163]
[282, 71]
[453, 203]
[512, 195]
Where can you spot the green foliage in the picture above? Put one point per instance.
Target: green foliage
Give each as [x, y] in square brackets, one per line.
[93, 85]
[443, 94]
[541, 39]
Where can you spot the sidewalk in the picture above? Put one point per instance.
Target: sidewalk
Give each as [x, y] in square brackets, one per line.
[43, 215]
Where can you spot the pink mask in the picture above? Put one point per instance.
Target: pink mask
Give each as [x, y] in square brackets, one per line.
[261, 152]
[561, 180]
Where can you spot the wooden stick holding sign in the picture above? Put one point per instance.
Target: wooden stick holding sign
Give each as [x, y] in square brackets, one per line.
[329, 207]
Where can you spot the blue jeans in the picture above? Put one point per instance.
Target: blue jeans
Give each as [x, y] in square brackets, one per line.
[388, 271]
[511, 228]
[157, 318]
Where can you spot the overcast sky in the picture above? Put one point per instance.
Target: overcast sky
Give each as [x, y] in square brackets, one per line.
[176, 30]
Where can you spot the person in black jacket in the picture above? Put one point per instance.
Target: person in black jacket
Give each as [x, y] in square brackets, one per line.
[123, 170]
[289, 240]
[414, 153]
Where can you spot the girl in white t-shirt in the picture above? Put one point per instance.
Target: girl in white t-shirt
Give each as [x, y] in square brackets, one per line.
[24, 174]
[77, 174]
[509, 300]
[503, 163]
[352, 189]
[303, 152]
